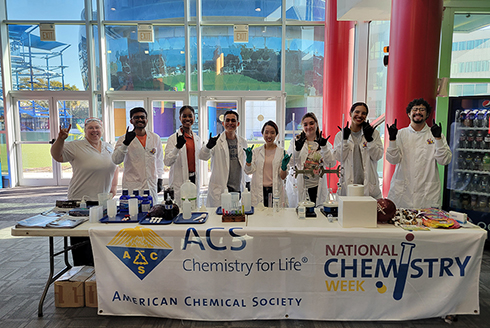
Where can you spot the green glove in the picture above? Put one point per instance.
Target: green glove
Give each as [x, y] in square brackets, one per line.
[248, 152]
[285, 161]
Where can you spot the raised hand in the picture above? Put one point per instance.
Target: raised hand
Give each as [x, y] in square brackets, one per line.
[285, 161]
[63, 134]
[436, 129]
[212, 141]
[130, 135]
[300, 141]
[392, 130]
[322, 141]
[367, 131]
[249, 153]
[346, 131]
[180, 141]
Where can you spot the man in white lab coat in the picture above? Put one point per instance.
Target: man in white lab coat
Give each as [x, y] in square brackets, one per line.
[143, 158]
[227, 160]
[416, 150]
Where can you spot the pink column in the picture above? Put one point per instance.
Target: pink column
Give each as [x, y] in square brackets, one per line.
[338, 72]
[413, 62]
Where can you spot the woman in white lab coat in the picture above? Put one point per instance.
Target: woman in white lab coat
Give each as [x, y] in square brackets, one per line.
[361, 151]
[310, 151]
[269, 166]
[182, 153]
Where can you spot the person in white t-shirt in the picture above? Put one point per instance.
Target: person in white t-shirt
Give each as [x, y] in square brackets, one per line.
[93, 172]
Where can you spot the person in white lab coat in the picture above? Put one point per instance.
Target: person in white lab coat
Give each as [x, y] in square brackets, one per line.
[311, 151]
[269, 166]
[227, 160]
[362, 148]
[143, 158]
[182, 153]
[416, 150]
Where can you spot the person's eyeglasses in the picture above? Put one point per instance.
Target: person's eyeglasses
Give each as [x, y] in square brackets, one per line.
[93, 119]
[139, 117]
[422, 110]
[232, 120]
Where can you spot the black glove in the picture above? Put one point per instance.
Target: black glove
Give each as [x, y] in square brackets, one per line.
[300, 141]
[212, 141]
[159, 185]
[392, 130]
[368, 131]
[322, 141]
[130, 135]
[346, 131]
[436, 129]
[180, 141]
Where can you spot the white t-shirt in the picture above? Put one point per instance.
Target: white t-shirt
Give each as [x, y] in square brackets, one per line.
[92, 171]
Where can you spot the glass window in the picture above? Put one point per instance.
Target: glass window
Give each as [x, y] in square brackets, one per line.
[166, 118]
[305, 48]
[256, 114]
[255, 65]
[305, 10]
[121, 115]
[250, 10]
[126, 10]
[45, 10]
[379, 37]
[471, 31]
[138, 66]
[46, 65]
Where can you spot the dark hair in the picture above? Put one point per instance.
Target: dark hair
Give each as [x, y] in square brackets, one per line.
[183, 108]
[313, 116]
[270, 123]
[419, 101]
[231, 112]
[137, 110]
[359, 103]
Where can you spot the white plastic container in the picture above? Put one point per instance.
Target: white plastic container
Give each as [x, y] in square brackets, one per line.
[189, 190]
[301, 211]
[186, 209]
[247, 200]
[133, 208]
[225, 201]
[111, 209]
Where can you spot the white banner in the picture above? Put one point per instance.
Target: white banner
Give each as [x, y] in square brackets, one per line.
[244, 273]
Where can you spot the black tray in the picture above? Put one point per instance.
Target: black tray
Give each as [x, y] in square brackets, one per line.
[120, 216]
[179, 219]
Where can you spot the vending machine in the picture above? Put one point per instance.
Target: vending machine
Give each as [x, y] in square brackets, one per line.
[467, 178]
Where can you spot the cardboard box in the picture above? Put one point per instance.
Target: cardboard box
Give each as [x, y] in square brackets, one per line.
[69, 288]
[91, 292]
[357, 211]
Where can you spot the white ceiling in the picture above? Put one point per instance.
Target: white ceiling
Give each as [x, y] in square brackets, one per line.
[363, 10]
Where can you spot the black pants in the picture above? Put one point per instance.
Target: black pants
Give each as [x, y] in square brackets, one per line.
[313, 193]
[267, 191]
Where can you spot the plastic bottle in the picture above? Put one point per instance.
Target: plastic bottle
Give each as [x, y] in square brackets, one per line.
[147, 201]
[275, 200]
[189, 190]
[486, 141]
[124, 201]
[225, 201]
[136, 194]
[247, 200]
[470, 137]
[478, 162]
[461, 161]
[186, 209]
[301, 211]
[462, 140]
[486, 162]
[469, 161]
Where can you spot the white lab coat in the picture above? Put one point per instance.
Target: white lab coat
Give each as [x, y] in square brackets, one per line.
[371, 152]
[220, 167]
[177, 160]
[298, 159]
[257, 169]
[142, 166]
[415, 183]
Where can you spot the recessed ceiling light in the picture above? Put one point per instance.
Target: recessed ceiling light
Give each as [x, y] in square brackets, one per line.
[113, 9]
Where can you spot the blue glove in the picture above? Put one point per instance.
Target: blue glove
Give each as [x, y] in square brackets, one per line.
[285, 161]
[248, 152]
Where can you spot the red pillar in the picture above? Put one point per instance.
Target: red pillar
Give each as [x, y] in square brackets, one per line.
[338, 72]
[415, 30]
